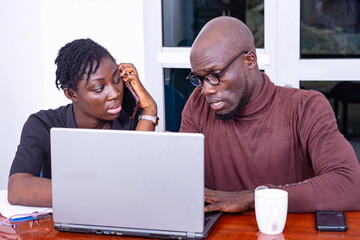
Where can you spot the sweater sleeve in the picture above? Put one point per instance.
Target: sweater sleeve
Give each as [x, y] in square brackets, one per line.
[336, 185]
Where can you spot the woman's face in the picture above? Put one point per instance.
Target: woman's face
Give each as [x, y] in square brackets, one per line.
[100, 99]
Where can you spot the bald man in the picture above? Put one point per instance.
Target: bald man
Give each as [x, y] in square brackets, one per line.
[260, 134]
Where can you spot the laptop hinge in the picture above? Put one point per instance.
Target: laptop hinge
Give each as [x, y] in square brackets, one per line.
[64, 226]
[190, 234]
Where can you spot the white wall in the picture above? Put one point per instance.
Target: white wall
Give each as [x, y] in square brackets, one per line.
[20, 74]
[31, 34]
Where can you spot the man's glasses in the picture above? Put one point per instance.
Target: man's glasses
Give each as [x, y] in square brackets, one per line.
[212, 78]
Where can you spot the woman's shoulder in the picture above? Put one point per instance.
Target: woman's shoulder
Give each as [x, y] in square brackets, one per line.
[59, 117]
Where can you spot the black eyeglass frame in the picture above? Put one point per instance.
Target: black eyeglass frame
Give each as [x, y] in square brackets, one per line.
[200, 79]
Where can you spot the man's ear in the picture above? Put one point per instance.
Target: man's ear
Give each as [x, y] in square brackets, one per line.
[251, 59]
[70, 94]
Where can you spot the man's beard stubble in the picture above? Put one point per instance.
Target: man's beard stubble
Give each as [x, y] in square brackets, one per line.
[241, 104]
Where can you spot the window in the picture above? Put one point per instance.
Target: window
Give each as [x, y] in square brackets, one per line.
[183, 19]
[291, 45]
[177, 91]
[330, 29]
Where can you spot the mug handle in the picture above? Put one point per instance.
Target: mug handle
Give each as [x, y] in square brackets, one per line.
[274, 217]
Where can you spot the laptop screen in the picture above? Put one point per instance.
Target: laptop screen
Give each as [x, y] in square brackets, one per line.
[128, 179]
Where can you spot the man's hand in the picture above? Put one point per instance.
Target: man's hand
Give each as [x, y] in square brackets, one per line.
[228, 201]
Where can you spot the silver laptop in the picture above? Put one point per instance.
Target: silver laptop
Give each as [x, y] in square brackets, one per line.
[144, 184]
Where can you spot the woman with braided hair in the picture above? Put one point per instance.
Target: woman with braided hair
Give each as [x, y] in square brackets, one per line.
[90, 77]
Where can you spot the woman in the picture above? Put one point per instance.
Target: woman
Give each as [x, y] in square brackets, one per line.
[91, 79]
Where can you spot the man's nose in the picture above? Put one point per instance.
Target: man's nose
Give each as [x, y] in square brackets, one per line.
[207, 89]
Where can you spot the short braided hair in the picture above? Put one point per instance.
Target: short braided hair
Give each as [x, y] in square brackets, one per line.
[75, 58]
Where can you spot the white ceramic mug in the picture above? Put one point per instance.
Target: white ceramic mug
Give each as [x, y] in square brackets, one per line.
[271, 210]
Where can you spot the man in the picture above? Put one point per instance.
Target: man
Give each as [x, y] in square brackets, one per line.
[257, 133]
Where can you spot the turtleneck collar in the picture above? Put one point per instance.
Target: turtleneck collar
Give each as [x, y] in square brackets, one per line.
[260, 101]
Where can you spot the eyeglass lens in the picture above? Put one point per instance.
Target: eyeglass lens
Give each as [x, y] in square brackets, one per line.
[198, 80]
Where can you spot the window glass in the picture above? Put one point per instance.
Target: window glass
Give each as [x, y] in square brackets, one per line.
[344, 97]
[183, 19]
[330, 28]
[177, 91]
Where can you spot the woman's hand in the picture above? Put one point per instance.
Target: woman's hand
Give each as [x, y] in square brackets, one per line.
[129, 74]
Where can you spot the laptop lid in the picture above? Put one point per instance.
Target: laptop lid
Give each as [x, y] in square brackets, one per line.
[128, 182]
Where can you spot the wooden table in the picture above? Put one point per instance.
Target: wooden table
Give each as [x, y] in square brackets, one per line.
[230, 226]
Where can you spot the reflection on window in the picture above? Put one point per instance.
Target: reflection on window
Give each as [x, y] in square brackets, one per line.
[183, 19]
[177, 91]
[330, 28]
[344, 97]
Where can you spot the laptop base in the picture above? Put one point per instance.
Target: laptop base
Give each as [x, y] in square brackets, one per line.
[77, 228]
